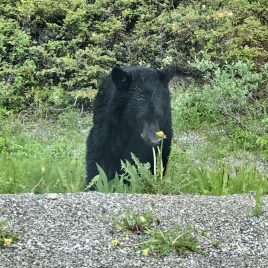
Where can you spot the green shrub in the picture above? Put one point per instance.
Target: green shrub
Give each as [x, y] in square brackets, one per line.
[53, 54]
[228, 94]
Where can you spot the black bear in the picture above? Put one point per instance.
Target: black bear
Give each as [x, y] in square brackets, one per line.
[132, 104]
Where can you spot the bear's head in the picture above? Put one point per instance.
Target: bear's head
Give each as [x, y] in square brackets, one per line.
[143, 99]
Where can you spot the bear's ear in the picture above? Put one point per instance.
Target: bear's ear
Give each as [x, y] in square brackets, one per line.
[120, 78]
[166, 74]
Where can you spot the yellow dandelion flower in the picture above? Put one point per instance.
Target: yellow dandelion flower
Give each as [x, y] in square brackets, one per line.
[115, 243]
[146, 251]
[160, 134]
[7, 241]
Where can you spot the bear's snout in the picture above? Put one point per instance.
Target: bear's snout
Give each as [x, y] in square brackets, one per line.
[149, 134]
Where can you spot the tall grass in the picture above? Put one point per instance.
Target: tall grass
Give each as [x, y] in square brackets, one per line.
[42, 155]
[41, 175]
[186, 178]
[53, 161]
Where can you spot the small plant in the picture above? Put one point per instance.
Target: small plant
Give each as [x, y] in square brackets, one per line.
[116, 243]
[158, 160]
[101, 183]
[135, 222]
[258, 202]
[137, 174]
[154, 239]
[6, 238]
[172, 240]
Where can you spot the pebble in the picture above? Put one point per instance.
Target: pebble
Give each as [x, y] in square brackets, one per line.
[75, 230]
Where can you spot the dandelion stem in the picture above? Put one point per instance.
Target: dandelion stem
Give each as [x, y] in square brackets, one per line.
[154, 156]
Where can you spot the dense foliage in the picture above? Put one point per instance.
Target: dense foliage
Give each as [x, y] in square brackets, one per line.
[53, 53]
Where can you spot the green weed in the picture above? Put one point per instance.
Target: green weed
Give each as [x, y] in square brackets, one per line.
[134, 222]
[154, 239]
[258, 202]
[226, 96]
[6, 237]
[172, 240]
[223, 180]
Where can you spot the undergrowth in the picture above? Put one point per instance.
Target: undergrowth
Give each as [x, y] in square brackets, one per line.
[153, 238]
[42, 156]
[220, 180]
[47, 154]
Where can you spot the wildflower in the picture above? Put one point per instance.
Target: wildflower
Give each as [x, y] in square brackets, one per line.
[43, 169]
[115, 243]
[7, 241]
[146, 251]
[160, 134]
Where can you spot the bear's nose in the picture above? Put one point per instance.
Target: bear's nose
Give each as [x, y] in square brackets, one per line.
[151, 141]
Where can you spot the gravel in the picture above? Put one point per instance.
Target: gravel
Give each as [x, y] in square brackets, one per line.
[74, 230]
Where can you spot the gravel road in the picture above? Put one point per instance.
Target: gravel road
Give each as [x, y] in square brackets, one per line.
[74, 230]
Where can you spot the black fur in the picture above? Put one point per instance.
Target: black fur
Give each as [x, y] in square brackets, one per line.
[131, 105]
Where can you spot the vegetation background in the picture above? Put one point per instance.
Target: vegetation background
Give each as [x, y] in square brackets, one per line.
[53, 55]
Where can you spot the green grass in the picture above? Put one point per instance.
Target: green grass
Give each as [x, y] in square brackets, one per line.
[48, 154]
[41, 175]
[43, 155]
[219, 180]
[257, 210]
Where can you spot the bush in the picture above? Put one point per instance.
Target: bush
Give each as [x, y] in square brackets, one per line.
[234, 98]
[53, 54]
[229, 94]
